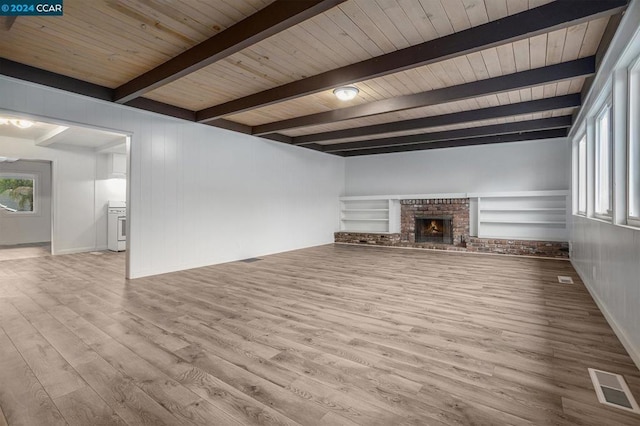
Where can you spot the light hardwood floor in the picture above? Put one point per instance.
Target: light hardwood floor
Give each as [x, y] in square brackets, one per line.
[23, 251]
[332, 335]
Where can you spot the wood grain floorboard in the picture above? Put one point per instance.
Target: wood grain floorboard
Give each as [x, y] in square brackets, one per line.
[85, 407]
[331, 335]
[23, 251]
[22, 397]
[54, 373]
[3, 420]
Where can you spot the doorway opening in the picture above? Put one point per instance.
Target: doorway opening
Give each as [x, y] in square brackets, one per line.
[86, 170]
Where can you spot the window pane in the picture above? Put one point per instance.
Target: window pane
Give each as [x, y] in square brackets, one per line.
[634, 178]
[16, 194]
[603, 163]
[634, 146]
[582, 175]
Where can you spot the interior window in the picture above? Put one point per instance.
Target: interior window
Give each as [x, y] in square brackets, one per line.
[17, 193]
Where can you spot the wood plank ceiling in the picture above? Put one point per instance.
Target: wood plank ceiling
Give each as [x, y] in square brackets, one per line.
[431, 73]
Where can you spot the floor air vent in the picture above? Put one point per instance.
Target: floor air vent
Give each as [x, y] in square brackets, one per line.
[613, 390]
[565, 280]
[250, 260]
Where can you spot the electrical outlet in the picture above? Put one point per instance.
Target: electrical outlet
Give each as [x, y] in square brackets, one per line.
[593, 272]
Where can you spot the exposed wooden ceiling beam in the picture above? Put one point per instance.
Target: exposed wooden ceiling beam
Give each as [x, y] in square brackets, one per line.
[448, 135]
[162, 108]
[607, 37]
[529, 107]
[279, 138]
[185, 114]
[274, 18]
[288, 139]
[514, 137]
[230, 125]
[39, 76]
[605, 42]
[523, 25]
[579, 68]
[51, 79]
[73, 85]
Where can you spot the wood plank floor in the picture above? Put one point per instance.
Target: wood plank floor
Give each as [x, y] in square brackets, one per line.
[332, 335]
[23, 251]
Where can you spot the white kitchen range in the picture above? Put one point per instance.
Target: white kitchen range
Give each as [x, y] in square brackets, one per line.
[117, 226]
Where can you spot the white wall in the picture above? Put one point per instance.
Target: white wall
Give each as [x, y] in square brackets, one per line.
[80, 192]
[516, 166]
[28, 228]
[201, 195]
[607, 256]
[208, 196]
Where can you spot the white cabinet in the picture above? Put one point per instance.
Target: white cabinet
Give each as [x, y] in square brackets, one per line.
[117, 165]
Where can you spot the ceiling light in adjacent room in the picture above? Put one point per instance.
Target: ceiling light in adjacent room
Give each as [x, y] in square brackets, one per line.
[346, 93]
[23, 124]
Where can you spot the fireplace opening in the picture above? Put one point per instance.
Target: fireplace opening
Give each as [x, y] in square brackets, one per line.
[437, 229]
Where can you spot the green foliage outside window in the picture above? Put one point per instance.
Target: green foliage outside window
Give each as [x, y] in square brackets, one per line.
[16, 194]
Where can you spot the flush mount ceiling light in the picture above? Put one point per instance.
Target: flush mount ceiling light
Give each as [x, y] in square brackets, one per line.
[22, 124]
[346, 93]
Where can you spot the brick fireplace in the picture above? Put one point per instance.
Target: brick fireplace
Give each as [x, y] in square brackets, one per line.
[444, 224]
[421, 221]
[434, 229]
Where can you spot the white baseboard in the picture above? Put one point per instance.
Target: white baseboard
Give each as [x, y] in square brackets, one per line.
[20, 242]
[78, 250]
[634, 352]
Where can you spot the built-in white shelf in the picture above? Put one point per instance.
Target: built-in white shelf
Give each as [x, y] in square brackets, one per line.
[516, 194]
[524, 222]
[543, 209]
[405, 196]
[365, 210]
[369, 214]
[526, 215]
[534, 215]
[361, 231]
[365, 220]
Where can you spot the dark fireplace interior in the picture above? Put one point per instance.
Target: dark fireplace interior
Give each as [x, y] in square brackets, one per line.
[434, 230]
